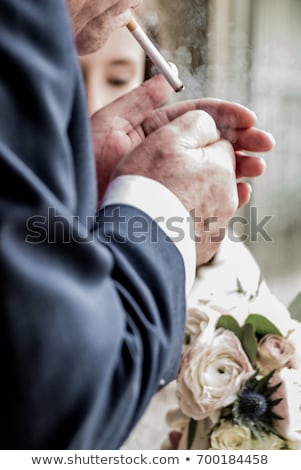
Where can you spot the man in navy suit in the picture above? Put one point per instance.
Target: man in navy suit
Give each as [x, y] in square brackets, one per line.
[93, 299]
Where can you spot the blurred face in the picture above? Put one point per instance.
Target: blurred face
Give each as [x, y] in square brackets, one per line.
[93, 21]
[116, 69]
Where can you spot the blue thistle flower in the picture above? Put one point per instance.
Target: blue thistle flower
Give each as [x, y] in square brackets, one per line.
[254, 406]
[251, 405]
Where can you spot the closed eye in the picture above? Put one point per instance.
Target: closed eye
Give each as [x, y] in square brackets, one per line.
[118, 82]
[120, 72]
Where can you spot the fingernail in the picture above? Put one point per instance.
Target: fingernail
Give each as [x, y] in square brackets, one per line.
[271, 137]
[254, 114]
[263, 162]
[250, 188]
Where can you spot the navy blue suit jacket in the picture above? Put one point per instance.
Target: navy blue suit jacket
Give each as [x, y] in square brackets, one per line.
[89, 320]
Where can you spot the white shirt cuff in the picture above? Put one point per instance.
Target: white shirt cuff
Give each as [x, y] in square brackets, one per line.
[164, 207]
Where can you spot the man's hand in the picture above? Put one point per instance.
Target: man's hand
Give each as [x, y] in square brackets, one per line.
[121, 126]
[188, 157]
[194, 148]
[93, 21]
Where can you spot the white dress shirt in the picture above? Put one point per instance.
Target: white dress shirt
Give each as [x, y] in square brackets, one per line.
[164, 207]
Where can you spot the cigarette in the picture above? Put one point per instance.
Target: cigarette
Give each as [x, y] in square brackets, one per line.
[155, 56]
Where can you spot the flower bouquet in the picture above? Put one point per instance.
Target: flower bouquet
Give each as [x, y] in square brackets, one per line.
[239, 384]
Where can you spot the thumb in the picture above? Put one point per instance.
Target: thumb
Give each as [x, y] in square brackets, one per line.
[131, 109]
[192, 130]
[221, 153]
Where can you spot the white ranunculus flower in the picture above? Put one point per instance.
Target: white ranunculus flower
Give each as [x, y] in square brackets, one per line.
[230, 436]
[274, 352]
[211, 374]
[290, 406]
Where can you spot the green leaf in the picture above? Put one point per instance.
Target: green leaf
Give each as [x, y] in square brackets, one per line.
[229, 323]
[262, 384]
[295, 307]
[256, 434]
[191, 432]
[249, 342]
[256, 293]
[239, 287]
[272, 390]
[262, 325]
[274, 403]
[226, 412]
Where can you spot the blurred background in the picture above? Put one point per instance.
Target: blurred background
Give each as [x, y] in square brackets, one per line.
[249, 51]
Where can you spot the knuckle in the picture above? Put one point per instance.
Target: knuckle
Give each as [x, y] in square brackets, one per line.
[203, 124]
[203, 118]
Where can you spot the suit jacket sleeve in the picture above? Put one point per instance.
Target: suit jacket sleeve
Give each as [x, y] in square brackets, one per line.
[91, 319]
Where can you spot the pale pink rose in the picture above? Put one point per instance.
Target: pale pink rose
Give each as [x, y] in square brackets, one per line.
[200, 323]
[290, 406]
[294, 337]
[211, 374]
[196, 322]
[274, 352]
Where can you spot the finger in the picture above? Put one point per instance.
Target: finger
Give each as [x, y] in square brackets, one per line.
[131, 109]
[88, 11]
[93, 34]
[191, 131]
[122, 5]
[225, 114]
[249, 167]
[244, 191]
[228, 114]
[251, 139]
